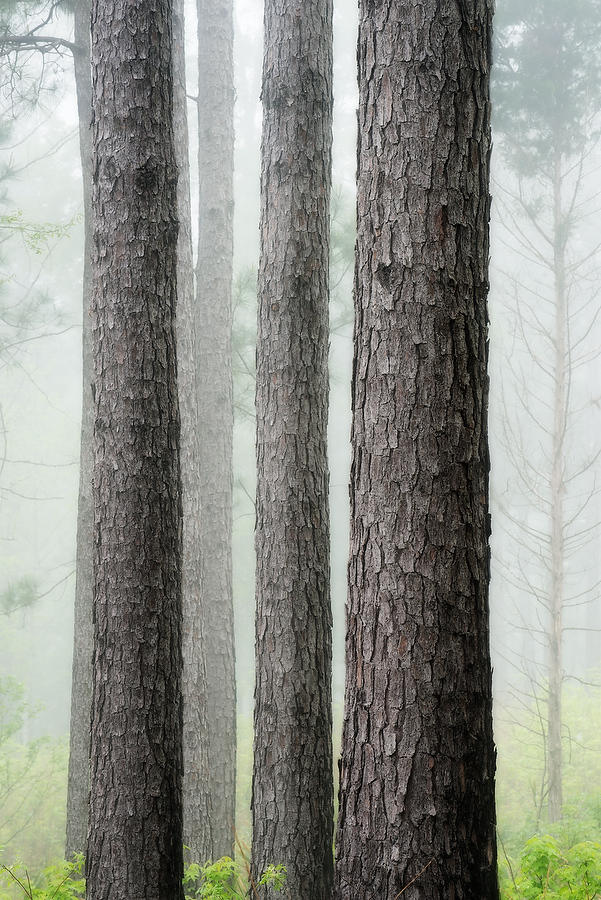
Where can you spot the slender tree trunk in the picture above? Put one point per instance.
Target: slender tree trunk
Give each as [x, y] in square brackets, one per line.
[81, 686]
[417, 807]
[292, 778]
[197, 800]
[135, 836]
[557, 516]
[592, 649]
[214, 296]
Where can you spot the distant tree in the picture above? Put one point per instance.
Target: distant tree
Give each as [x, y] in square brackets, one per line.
[135, 835]
[548, 96]
[33, 21]
[546, 77]
[25, 311]
[417, 803]
[215, 405]
[17, 595]
[27, 315]
[81, 683]
[30, 774]
[197, 776]
[25, 31]
[292, 778]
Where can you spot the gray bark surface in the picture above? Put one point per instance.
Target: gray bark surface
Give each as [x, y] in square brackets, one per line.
[78, 784]
[197, 799]
[214, 298]
[135, 836]
[418, 759]
[292, 806]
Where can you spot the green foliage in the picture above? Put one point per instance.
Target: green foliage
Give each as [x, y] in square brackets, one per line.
[32, 784]
[274, 877]
[522, 774]
[546, 871]
[226, 879]
[244, 758]
[221, 880]
[63, 881]
[13, 707]
[546, 79]
[17, 595]
[561, 860]
[26, 75]
[35, 235]
[24, 312]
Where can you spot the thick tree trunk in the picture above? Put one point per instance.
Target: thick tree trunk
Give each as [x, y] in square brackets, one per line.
[292, 779]
[135, 837]
[418, 760]
[214, 297]
[81, 685]
[554, 761]
[197, 799]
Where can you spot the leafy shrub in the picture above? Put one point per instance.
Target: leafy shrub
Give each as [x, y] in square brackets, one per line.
[522, 776]
[63, 881]
[33, 777]
[221, 880]
[545, 871]
[226, 879]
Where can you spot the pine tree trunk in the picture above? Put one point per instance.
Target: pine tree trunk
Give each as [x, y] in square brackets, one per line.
[214, 297]
[197, 800]
[292, 778]
[81, 686]
[135, 837]
[554, 755]
[418, 760]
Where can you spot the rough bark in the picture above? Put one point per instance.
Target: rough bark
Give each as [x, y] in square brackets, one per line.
[81, 685]
[418, 760]
[292, 778]
[560, 378]
[214, 298]
[135, 835]
[197, 807]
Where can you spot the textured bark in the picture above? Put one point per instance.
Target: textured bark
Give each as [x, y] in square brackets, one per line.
[418, 760]
[214, 297]
[81, 685]
[292, 779]
[135, 836]
[197, 815]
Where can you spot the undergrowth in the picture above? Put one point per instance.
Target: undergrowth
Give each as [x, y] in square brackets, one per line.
[225, 879]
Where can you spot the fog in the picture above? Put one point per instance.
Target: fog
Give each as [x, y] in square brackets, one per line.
[41, 235]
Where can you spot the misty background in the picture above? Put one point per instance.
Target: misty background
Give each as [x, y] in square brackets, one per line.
[41, 244]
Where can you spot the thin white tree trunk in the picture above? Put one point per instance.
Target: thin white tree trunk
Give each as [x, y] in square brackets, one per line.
[557, 498]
